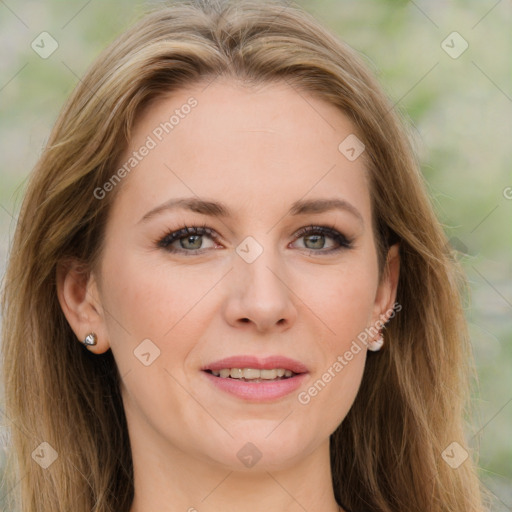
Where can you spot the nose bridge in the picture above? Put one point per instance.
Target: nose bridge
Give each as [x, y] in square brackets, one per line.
[260, 292]
[259, 267]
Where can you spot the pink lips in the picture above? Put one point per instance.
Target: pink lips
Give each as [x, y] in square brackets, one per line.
[257, 391]
[266, 363]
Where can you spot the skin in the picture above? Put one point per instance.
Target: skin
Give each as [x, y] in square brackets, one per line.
[257, 150]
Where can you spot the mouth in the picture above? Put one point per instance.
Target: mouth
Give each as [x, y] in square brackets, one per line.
[256, 380]
[254, 375]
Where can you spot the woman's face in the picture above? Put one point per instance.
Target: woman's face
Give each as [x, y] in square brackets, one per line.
[248, 165]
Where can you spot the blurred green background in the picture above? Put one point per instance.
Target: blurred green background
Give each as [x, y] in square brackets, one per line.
[459, 110]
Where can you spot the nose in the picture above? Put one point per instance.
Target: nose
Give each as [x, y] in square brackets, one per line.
[260, 295]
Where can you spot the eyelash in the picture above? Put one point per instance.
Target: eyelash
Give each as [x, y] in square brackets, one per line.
[172, 236]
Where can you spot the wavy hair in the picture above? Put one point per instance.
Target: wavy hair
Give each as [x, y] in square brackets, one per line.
[413, 400]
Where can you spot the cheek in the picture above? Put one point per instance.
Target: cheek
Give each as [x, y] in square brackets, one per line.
[155, 310]
[349, 304]
[149, 296]
[342, 296]
[330, 392]
[144, 300]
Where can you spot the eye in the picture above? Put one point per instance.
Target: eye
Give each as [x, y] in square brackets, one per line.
[315, 237]
[190, 239]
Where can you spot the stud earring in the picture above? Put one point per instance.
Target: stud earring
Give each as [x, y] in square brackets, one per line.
[90, 339]
[376, 345]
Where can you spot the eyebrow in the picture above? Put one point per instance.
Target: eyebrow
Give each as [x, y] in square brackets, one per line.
[219, 209]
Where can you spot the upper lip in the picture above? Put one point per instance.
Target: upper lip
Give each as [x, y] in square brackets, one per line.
[262, 363]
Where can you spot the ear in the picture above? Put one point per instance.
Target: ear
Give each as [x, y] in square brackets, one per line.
[386, 291]
[79, 299]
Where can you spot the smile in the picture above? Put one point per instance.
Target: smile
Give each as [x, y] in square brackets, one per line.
[256, 389]
[253, 374]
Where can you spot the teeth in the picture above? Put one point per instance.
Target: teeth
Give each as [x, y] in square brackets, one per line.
[252, 373]
[236, 373]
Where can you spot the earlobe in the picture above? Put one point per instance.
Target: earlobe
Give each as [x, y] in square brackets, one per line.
[80, 302]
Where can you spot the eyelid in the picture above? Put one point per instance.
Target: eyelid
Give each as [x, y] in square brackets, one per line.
[173, 235]
[328, 230]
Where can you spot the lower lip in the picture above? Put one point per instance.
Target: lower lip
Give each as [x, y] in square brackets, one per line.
[257, 391]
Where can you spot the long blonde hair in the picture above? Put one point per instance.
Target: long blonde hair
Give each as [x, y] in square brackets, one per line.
[387, 453]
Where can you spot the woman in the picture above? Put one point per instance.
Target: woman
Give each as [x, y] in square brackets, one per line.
[226, 216]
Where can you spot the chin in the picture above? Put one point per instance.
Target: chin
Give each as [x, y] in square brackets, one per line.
[261, 451]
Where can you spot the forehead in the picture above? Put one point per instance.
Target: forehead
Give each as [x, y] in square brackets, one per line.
[263, 146]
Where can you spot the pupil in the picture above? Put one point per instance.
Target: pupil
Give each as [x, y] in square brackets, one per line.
[189, 239]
